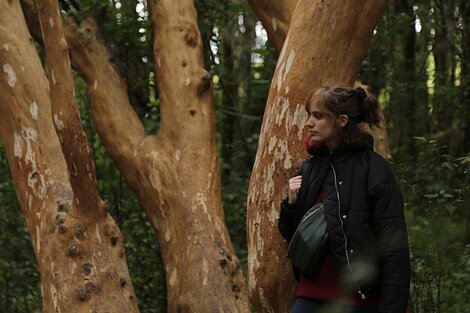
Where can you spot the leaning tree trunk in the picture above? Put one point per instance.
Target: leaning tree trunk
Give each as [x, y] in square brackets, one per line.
[78, 248]
[174, 174]
[327, 41]
[276, 18]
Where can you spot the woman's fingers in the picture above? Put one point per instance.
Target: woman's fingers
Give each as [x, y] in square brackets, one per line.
[295, 182]
[294, 187]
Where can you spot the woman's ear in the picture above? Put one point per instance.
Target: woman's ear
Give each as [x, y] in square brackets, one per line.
[343, 120]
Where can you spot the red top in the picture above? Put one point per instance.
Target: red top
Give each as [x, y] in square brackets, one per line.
[324, 284]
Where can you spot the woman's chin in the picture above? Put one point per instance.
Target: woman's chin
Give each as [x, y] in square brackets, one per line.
[316, 139]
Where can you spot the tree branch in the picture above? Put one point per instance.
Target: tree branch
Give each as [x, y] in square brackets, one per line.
[275, 16]
[65, 112]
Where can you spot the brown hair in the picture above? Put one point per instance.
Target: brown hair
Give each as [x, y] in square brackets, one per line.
[357, 103]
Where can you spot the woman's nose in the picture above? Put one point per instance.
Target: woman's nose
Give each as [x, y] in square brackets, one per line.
[310, 122]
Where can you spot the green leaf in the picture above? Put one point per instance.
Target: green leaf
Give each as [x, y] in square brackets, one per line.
[451, 208]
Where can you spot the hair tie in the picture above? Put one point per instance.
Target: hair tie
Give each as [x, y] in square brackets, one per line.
[361, 94]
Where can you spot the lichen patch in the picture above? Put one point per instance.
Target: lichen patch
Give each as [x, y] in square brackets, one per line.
[55, 298]
[173, 277]
[38, 239]
[59, 125]
[290, 61]
[280, 76]
[11, 76]
[268, 187]
[33, 108]
[205, 272]
[264, 301]
[272, 144]
[282, 117]
[200, 202]
[54, 82]
[97, 234]
[259, 238]
[18, 146]
[167, 234]
[299, 118]
[273, 214]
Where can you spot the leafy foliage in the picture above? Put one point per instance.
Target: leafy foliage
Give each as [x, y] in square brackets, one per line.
[436, 189]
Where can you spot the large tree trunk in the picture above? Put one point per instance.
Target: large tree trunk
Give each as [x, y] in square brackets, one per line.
[174, 174]
[276, 18]
[79, 249]
[327, 41]
[200, 254]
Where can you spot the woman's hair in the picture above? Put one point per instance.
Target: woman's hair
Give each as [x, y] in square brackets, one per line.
[357, 103]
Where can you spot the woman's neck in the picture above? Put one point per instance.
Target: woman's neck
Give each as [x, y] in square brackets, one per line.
[333, 143]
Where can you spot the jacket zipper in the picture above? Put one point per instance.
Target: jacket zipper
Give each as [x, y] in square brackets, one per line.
[363, 296]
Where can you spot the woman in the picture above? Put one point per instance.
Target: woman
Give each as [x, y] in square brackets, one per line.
[366, 267]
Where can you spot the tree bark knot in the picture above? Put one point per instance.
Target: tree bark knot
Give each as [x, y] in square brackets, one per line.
[204, 84]
[73, 250]
[190, 35]
[62, 212]
[85, 292]
[87, 268]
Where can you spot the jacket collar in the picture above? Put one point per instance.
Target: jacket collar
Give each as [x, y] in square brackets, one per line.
[365, 142]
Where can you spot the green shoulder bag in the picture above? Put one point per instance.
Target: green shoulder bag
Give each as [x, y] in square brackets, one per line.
[310, 241]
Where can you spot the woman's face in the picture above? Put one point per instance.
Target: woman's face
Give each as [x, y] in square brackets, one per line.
[320, 125]
[322, 128]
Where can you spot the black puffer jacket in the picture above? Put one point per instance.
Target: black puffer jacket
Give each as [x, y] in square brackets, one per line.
[365, 221]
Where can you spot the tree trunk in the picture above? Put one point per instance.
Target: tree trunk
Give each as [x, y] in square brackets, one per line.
[276, 18]
[327, 41]
[207, 276]
[79, 249]
[174, 174]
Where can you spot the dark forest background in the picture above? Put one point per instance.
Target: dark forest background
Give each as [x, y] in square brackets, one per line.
[418, 66]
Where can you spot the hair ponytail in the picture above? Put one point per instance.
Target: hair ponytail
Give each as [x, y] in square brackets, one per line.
[368, 107]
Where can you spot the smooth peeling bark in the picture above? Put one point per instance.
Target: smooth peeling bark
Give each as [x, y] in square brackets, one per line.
[175, 175]
[80, 254]
[327, 42]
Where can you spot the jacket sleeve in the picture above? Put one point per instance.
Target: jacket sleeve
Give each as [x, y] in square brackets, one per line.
[287, 219]
[390, 235]
[287, 215]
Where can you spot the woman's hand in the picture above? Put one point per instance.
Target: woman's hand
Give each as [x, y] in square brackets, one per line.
[294, 187]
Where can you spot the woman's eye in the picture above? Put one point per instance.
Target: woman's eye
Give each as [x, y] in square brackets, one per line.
[317, 115]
